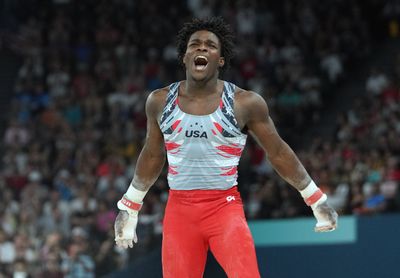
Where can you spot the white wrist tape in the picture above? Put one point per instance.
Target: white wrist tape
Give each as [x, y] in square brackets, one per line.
[135, 195]
[312, 195]
[132, 200]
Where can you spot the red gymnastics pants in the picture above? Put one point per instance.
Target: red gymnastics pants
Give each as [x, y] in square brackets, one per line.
[198, 220]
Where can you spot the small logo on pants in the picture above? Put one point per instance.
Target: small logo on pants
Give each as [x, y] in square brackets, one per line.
[230, 198]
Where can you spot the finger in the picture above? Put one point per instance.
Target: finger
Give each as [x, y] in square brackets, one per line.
[122, 243]
[135, 239]
[118, 243]
[321, 223]
[328, 228]
[323, 229]
[130, 243]
[125, 243]
[118, 229]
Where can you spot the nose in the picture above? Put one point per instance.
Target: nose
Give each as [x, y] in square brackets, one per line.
[202, 47]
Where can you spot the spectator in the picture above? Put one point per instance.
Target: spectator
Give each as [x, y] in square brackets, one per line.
[77, 264]
[377, 81]
[332, 65]
[16, 134]
[7, 249]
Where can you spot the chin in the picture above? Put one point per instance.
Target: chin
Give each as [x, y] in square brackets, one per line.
[199, 76]
[202, 75]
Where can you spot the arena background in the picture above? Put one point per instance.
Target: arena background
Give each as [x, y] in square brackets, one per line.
[74, 76]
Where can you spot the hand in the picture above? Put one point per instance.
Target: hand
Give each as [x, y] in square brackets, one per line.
[326, 218]
[125, 229]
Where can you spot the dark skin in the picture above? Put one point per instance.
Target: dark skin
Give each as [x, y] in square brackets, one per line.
[200, 94]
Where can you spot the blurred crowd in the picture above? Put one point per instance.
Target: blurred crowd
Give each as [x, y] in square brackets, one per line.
[76, 121]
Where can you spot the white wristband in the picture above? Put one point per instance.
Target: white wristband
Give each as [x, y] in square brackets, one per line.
[313, 195]
[132, 200]
[134, 194]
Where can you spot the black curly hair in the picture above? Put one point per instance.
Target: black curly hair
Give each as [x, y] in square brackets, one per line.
[215, 25]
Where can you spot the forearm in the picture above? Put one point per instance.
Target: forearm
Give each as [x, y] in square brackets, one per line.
[148, 168]
[289, 167]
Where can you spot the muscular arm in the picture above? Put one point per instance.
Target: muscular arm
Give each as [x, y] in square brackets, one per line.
[152, 157]
[253, 112]
[148, 167]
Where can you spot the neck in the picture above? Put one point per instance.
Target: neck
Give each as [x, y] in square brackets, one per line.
[203, 87]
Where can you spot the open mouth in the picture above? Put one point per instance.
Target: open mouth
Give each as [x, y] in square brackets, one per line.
[200, 62]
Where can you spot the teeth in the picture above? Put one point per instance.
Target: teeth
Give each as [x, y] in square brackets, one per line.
[201, 57]
[200, 62]
[200, 67]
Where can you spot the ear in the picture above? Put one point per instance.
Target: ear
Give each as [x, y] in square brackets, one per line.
[221, 62]
[184, 59]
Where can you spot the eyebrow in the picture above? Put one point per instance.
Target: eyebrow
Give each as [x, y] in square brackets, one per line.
[199, 40]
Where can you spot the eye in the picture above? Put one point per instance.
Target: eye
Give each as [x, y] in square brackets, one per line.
[193, 44]
[212, 45]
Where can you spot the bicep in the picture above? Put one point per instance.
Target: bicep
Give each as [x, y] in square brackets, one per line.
[152, 156]
[281, 156]
[262, 127]
[265, 133]
[154, 142]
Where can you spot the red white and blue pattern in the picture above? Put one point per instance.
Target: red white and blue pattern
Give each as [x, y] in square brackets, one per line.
[203, 151]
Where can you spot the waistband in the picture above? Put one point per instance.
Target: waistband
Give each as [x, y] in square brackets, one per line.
[200, 193]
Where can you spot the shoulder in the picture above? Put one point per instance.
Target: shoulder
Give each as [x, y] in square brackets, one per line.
[245, 97]
[156, 101]
[158, 96]
[249, 104]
